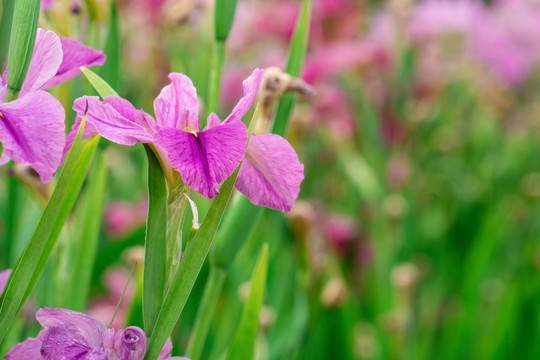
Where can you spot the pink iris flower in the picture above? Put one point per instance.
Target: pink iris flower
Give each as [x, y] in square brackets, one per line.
[32, 127]
[70, 335]
[270, 174]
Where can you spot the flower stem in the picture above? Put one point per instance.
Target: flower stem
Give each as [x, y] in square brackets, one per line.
[215, 75]
[206, 311]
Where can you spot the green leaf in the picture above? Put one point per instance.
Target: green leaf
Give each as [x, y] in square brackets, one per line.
[224, 18]
[21, 44]
[297, 54]
[111, 71]
[35, 255]
[238, 223]
[101, 86]
[85, 249]
[5, 30]
[155, 256]
[243, 346]
[189, 269]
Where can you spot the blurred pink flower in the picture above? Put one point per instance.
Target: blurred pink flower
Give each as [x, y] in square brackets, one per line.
[508, 39]
[341, 232]
[121, 218]
[439, 17]
[338, 57]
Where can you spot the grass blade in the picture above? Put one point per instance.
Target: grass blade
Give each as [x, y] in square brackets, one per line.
[155, 255]
[5, 30]
[297, 55]
[189, 269]
[101, 86]
[21, 44]
[85, 252]
[35, 255]
[243, 346]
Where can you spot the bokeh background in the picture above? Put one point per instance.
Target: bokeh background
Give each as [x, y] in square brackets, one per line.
[416, 234]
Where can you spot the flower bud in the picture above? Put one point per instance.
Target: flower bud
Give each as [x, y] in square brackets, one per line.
[131, 343]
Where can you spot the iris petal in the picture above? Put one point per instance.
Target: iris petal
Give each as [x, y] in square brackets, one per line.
[271, 173]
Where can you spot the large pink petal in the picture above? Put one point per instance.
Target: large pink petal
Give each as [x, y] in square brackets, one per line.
[64, 342]
[45, 62]
[207, 158]
[177, 105]
[75, 55]
[251, 86]
[113, 118]
[271, 173]
[91, 329]
[30, 349]
[32, 132]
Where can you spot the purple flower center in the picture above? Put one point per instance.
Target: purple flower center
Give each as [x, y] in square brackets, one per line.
[131, 339]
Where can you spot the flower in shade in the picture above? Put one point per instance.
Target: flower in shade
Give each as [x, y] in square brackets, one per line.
[70, 335]
[32, 126]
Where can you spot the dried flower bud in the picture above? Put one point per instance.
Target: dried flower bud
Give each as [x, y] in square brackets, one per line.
[334, 293]
[365, 341]
[274, 84]
[267, 317]
[405, 276]
[395, 205]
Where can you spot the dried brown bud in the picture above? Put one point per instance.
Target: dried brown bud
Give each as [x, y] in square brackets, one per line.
[274, 84]
[334, 293]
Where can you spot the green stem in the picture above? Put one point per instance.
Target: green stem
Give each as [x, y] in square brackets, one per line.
[215, 75]
[177, 210]
[206, 311]
[11, 94]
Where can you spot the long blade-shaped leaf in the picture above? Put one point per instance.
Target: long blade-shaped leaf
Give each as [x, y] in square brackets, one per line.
[155, 255]
[189, 268]
[35, 255]
[101, 86]
[86, 247]
[5, 30]
[21, 44]
[243, 346]
[297, 55]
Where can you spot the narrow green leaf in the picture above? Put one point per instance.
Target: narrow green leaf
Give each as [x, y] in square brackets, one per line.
[224, 18]
[21, 44]
[205, 312]
[297, 54]
[35, 255]
[111, 71]
[243, 346]
[237, 225]
[155, 255]
[189, 268]
[73, 190]
[101, 86]
[218, 58]
[86, 247]
[5, 30]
